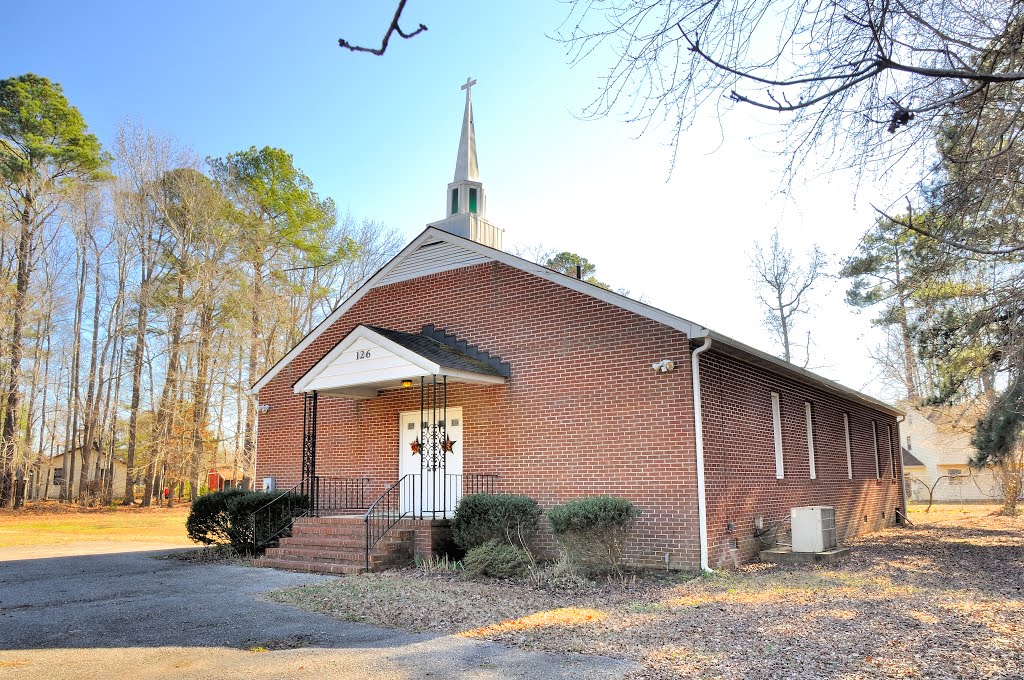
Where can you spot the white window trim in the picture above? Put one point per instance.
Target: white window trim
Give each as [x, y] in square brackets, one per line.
[810, 438]
[780, 466]
[874, 437]
[849, 457]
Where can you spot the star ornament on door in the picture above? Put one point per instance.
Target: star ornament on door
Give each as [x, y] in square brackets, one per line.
[416, 446]
[448, 446]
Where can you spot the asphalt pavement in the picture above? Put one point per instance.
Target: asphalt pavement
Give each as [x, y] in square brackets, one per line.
[64, 614]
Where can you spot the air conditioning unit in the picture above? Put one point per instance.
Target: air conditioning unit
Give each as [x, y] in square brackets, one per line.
[814, 528]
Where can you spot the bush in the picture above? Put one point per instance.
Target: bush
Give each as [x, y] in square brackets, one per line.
[226, 517]
[497, 558]
[592, 531]
[208, 521]
[483, 517]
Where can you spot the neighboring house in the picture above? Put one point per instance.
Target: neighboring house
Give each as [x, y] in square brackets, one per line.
[459, 367]
[54, 467]
[936, 451]
[224, 477]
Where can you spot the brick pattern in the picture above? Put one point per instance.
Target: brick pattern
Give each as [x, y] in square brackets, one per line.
[584, 413]
[740, 458]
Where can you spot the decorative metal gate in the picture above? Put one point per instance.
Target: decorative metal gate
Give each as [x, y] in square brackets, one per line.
[434, 447]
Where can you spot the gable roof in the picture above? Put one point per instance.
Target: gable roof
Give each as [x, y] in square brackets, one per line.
[435, 251]
[909, 459]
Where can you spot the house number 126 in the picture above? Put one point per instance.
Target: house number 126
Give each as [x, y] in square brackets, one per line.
[362, 354]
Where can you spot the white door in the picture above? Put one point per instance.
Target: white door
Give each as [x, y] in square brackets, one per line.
[426, 490]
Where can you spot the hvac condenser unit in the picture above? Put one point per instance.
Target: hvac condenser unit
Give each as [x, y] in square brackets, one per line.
[814, 528]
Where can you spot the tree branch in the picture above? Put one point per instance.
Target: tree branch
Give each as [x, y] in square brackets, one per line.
[393, 28]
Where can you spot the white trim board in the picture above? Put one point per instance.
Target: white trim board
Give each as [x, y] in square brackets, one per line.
[459, 252]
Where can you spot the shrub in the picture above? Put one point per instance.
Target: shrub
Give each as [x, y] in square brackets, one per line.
[225, 517]
[592, 531]
[208, 521]
[483, 517]
[497, 558]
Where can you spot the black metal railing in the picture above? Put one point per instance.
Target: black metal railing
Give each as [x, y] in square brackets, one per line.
[274, 519]
[405, 497]
[335, 494]
[396, 502]
[475, 483]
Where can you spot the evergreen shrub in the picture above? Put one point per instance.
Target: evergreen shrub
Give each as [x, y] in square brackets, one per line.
[484, 517]
[497, 558]
[226, 517]
[592, 531]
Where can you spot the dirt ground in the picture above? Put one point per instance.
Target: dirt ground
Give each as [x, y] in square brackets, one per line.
[53, 523]
[942, 599]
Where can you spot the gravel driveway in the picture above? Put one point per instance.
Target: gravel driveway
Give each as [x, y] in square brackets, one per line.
[102, 615]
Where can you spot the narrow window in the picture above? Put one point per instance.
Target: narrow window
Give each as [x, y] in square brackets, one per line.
[849, 458]
[780, 470]
[472, 200]
[455, 201]
[874, 439]
[810, 438]
[892, 452]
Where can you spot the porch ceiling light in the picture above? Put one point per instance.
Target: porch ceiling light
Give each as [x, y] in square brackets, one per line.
[406, 383]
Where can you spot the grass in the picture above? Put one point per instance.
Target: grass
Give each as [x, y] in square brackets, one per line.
[941, 599]
[53, 523]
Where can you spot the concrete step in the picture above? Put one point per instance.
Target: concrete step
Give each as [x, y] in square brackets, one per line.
[308, 566]
[340, 556]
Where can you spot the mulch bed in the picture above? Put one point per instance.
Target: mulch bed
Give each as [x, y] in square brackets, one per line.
[941, 600]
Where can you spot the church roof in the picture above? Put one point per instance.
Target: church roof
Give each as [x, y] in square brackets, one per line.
[446, 356]
[435, 251]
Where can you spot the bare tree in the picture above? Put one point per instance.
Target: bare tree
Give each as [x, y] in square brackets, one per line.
[783, 287]
[860, 70]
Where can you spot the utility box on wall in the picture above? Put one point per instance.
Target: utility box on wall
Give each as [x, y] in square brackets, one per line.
[268, 484]
[814, 528]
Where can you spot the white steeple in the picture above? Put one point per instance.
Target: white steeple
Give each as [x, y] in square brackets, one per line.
[465, 165]
[466, 201]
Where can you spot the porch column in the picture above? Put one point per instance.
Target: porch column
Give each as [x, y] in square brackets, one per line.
[309, 485]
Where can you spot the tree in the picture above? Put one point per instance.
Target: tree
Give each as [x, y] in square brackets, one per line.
[783, 289]
[279, 215]
[44, 146]
[882, 272]
[575, 266]
[858, 71]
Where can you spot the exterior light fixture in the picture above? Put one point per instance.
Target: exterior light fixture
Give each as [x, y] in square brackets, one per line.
[406, 383]
[664, 366]
[263, 408]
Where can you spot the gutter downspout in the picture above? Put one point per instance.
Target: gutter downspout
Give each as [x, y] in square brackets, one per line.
[903, 480]
[702, 513]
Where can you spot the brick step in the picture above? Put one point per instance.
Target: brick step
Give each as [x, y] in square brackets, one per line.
[330, 521]
[351, 531]
[308, 566]
[339, 542]
[340, 556]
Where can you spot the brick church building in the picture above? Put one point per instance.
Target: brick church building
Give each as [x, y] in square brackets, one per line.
[459, 367]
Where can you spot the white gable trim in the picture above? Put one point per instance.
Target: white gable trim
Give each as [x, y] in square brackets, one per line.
[415, 366]
[481, 253]
[431, 234]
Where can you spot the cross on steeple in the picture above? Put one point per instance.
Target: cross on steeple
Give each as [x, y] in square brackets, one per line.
[469, 84]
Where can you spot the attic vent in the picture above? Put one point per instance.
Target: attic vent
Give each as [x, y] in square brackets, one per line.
[814, 528]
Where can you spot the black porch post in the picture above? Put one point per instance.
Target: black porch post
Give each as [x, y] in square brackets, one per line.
[309, 486]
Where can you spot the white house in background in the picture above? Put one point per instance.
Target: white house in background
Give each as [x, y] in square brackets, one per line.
[54, 467]
[933, 449]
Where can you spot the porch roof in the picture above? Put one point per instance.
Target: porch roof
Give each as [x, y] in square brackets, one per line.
[371, 359]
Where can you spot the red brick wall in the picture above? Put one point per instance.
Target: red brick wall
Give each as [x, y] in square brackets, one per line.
[740, 457]
[583, 412]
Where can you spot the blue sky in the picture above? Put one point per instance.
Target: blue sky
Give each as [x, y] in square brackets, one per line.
[379, 135]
